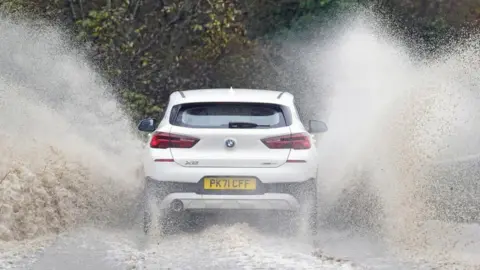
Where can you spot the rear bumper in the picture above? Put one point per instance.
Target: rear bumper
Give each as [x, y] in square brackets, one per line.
[204, 203]
[268, 196]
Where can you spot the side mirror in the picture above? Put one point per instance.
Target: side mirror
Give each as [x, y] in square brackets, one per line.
[317, 126]
[148, 125]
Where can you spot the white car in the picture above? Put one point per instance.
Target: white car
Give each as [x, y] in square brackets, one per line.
[220, 150]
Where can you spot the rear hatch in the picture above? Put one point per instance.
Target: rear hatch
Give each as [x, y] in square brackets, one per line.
[229, 134]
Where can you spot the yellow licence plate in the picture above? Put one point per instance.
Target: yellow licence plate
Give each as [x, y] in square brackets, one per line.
[220, 183]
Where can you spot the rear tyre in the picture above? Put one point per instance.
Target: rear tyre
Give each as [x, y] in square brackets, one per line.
[312, 212]
[146, 222]
[305, 221]
[147, 212]
[307, 217]
[151, 212]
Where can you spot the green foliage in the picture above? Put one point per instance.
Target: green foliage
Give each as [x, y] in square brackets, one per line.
[150, 48]
[219, 31]
[140, 105]
[154, 49]
[434, 24]
[51, 9]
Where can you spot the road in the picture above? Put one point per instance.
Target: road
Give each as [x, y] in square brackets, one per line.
[236, 246]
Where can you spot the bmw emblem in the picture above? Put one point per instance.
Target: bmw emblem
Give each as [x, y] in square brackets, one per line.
[230, 143]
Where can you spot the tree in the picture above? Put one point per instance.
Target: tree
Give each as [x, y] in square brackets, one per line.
[150, 48]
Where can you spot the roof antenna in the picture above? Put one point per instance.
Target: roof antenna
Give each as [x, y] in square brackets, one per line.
[231, 90]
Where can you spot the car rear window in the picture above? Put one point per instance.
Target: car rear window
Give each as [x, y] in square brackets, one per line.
[220, 115]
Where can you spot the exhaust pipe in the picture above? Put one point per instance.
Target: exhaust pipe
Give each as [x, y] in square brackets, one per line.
[176, 205]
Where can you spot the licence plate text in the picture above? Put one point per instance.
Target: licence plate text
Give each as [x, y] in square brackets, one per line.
[216, 183]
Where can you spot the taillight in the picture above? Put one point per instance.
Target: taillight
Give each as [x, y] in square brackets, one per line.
[167, 140]
[295, 141]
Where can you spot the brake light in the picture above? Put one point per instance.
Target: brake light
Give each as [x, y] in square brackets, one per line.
[165, 140]
[295, 141]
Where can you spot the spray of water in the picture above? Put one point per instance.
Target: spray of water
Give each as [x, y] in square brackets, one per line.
[392, 117]
[68, 154]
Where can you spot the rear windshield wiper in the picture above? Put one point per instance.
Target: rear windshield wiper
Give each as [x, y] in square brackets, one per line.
[244, 125]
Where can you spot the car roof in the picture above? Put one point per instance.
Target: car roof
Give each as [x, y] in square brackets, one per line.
[231, 94]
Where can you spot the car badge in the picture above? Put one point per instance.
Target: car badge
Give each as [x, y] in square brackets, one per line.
[230, 143]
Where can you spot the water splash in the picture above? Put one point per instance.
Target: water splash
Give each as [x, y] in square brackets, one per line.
[69, 155]
[392, 117]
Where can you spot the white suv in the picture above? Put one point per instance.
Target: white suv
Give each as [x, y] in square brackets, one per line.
[220, 150]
